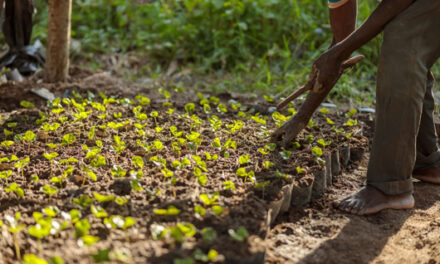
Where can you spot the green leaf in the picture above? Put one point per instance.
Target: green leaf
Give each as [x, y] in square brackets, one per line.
[27, 104]
[209, 199]
[32, 259]
[103, 198]
[240, 235]
[209, 234]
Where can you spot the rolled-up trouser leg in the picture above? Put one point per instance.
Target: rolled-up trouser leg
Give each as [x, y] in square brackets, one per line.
[411, 45]
[428, 154]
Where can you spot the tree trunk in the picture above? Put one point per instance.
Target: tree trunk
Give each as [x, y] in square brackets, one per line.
[58, 40]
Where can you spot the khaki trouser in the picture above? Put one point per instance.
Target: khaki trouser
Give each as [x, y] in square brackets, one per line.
[405, 138]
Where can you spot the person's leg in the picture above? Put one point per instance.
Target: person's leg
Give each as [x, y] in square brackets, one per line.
[411, 45]
[427, 167]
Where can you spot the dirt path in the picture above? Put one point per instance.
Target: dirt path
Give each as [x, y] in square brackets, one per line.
[322, 234]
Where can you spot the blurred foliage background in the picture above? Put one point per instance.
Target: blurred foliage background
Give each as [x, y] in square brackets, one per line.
[262, 46]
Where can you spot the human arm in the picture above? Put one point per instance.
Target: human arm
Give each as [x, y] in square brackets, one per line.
[327, 67]
[342, 18]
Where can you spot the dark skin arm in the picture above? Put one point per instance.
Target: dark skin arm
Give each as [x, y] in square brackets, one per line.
[343, 20]
[327, 66]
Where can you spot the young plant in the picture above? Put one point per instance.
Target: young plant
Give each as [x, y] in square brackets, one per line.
[50, 157]
[15, 228]
[29, 136]
[13, 187]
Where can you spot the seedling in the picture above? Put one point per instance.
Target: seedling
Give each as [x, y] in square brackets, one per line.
[49, 190]
[228, 185]
[50, 157]
[285, 154]
[171, 210]
[89, 173]
[5, 175]
[210, 256]
[190, 108]
[13, 187]
[240, 235]
[15, 229]
[244, 159]
[21, 164]
[29, 136]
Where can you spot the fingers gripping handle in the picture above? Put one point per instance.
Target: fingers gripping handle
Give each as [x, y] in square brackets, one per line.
[311, 83]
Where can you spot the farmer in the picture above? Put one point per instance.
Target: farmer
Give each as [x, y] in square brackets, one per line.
[405, 140]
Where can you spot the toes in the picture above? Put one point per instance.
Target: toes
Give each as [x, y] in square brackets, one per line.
[345, 204]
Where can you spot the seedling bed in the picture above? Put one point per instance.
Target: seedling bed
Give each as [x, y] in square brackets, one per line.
[158, 178]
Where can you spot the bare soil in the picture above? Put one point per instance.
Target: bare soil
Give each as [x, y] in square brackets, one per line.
[317, 234]
[322, 234]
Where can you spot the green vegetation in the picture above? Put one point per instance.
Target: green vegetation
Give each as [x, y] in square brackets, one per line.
[262, 46]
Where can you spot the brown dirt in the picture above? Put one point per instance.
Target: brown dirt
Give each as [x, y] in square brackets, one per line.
[322, 234]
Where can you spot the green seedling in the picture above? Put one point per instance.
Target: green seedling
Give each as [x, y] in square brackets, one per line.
[240, 235]
[118, 172]
[209, 199]
[279, 118]
[258, 119]
[98, 211]
[350, 122]
[190, 108]
[228, 185]
[98, 161]
[27, 104]
[215, 123]
[199, 211]
[221, 108]
[29, 136]
[87, 240]
[268, 164]
[309, 138]
[68, 140]
[13, 187]
[7, 143]
[49, 190]
[285, 154]
[300, 170]
[103, 198]
[15, 228]
[182, 230]
[209, 257]
[84, 201]
[241, 172]
[117, 221]
[21, 164]
[208, 234]
[5, 175]
[32, 259]
[89, 173]
[317, 152]
[329, 121]
[144, 101]
[351, 113]
[324, 111]
[154, 115]
[323, 143]
[50, 157]
[236, 126]
[170, 211]
[244, 159]
[267, 148]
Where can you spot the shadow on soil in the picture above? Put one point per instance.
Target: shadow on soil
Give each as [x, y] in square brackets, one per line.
[363, 238]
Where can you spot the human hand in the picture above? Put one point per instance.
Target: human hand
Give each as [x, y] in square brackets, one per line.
[326, 70]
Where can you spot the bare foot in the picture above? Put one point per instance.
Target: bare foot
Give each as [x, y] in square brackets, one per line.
[369, 200]
[431, 175]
